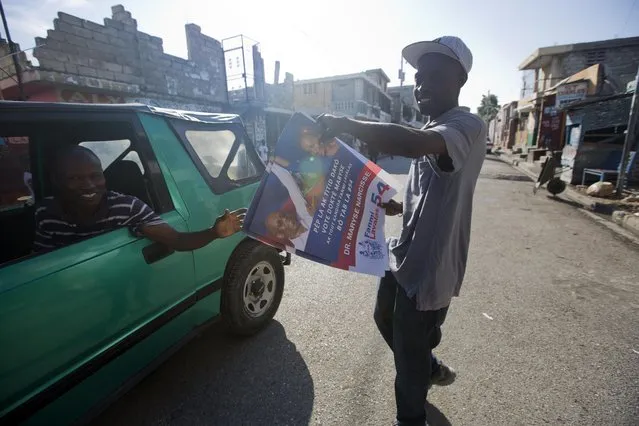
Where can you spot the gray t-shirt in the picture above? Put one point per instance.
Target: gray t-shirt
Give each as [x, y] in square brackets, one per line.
[429, 257]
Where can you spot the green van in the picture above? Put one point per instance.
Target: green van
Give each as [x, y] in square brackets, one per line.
[81, 324]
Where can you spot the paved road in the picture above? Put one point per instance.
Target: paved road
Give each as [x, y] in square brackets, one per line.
[545, 332]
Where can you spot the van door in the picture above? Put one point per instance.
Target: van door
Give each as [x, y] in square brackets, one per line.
[219, 170]
[66, 313]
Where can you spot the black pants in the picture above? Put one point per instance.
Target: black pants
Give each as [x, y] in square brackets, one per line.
[411, 335]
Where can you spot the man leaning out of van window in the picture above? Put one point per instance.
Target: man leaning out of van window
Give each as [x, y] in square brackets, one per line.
[83, 208]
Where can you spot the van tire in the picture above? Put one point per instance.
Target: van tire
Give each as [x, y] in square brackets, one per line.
[248, 317]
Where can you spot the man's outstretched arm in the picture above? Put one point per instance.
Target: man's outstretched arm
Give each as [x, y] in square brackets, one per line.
[387, 137]
[225, 226]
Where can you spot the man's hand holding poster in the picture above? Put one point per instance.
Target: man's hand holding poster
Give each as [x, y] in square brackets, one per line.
[322, 200]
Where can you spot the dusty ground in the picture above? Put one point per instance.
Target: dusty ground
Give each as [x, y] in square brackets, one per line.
[545, 332]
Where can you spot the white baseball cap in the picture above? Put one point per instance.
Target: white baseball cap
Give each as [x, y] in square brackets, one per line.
[451, 46]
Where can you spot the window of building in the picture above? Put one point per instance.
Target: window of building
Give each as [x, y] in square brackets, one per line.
[310, 88]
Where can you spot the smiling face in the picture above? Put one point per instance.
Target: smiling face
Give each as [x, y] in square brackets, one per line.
[284, 226]
[437, 83]
[79, 179]
[312, 144]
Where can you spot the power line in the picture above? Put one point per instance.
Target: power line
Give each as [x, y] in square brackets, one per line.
[12, 49]
[9, 75]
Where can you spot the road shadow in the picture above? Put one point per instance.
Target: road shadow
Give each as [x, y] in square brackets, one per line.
[565, 201]
[395, 166]
[219, 379]
[511, 177]
[435, 417]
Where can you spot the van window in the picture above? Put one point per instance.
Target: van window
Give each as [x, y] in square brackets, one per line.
[16, 187]
[212, 147]
[221, 152]
[109, 151]
[241, 167]
[29, 145]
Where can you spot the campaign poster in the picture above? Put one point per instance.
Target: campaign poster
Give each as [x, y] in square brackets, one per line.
[321, 199]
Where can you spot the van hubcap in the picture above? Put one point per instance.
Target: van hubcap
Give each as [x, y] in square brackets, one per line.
[259, 289]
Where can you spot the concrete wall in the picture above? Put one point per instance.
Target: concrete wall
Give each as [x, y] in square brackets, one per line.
[504, 127]
[343, 90]
[579, 155]
[404, 108]
[78, 50]
[359, 89]
[255, 124]
[6, 60]
[258, 73]
[319, 98]
[281, 95]
[620, 63]
[378, 78]
[347, 94]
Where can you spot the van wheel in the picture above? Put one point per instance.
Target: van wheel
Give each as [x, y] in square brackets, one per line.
[253, 288]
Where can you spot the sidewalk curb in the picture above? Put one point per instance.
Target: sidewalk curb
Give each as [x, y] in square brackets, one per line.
[623, 232]
[625, 226]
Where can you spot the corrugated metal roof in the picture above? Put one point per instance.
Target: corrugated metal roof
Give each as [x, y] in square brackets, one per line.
[594, 100]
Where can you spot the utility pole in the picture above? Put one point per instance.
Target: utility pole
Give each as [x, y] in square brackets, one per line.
[14, 53]
[401, 76]
[630, 136]
[246, 90]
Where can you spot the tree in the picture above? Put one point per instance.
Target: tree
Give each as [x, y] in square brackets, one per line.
[489, 107]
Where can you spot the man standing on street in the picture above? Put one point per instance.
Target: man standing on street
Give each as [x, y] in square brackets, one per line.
[428, 260]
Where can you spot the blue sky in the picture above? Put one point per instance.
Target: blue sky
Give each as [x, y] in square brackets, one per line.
[320, 38]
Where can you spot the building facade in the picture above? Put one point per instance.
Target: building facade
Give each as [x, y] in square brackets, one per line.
[504, 126]
[264, 108]
[86, 62]
[595, 133]
[362, 95]
[404, 108]
[558, 75]
[82, 61]
[547, 66]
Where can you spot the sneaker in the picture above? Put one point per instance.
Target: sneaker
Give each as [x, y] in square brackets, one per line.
[443, 376]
